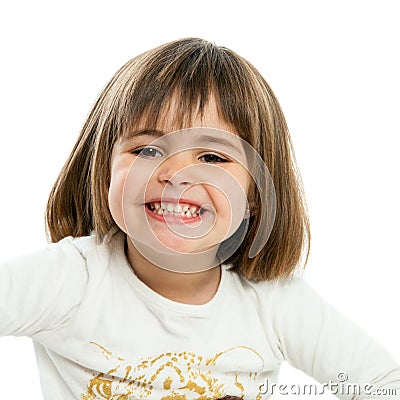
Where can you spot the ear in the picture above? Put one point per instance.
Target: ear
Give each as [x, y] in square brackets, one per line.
[248, 211]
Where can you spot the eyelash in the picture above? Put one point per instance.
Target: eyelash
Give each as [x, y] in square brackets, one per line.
[217, 158]
[220, 159]
[140, 151]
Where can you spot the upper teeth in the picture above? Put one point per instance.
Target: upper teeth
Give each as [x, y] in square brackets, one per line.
[185, 210]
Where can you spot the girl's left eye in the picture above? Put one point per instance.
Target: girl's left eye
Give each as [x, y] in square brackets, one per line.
[147, 152]
[212, 158]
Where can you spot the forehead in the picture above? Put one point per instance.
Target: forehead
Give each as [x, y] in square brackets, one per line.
[173, 116]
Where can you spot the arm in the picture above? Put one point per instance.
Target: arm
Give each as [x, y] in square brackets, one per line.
[317, 339]
[40, 291]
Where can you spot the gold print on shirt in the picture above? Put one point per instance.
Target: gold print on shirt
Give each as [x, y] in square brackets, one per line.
[181, 376]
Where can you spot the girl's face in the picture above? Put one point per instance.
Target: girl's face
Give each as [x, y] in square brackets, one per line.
[183, 191]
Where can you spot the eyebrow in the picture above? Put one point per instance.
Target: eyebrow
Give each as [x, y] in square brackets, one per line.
[222, 141]
[143, 132]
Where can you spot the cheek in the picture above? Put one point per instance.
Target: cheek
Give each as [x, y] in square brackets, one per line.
[115, 194]
[243, 177]
[230, 200]
[228, 203]
[230, 195]
[223, 203]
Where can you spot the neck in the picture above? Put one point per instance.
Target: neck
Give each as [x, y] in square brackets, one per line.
[189, 288]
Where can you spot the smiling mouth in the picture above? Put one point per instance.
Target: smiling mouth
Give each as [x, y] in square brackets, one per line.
[185, 211]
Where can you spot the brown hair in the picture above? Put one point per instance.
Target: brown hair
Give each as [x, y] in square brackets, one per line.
[191, 70]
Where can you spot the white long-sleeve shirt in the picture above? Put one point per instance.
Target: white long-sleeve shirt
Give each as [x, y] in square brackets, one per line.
[101, 333]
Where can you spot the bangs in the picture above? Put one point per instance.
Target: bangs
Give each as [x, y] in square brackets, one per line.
[186, 74]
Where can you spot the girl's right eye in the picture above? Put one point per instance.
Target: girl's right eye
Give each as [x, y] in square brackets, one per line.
[147, 151]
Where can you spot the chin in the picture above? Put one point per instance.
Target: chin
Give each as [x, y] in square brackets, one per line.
[175, 246]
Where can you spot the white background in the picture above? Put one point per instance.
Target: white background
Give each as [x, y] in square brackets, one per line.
[334, 67]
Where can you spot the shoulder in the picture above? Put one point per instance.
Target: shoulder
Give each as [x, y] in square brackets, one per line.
[67, 257]
[293, 305]
[285, 288]
[89, 247]
[83, 245]
[279, 297]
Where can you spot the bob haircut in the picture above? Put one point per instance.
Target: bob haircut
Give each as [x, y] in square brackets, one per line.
[190, 71]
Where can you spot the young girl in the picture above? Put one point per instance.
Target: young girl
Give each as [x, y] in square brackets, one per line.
[178, 224]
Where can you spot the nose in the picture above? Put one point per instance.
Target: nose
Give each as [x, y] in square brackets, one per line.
[174, 170]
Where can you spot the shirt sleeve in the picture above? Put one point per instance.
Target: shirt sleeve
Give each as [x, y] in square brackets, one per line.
[40, 291]
[317, 339]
